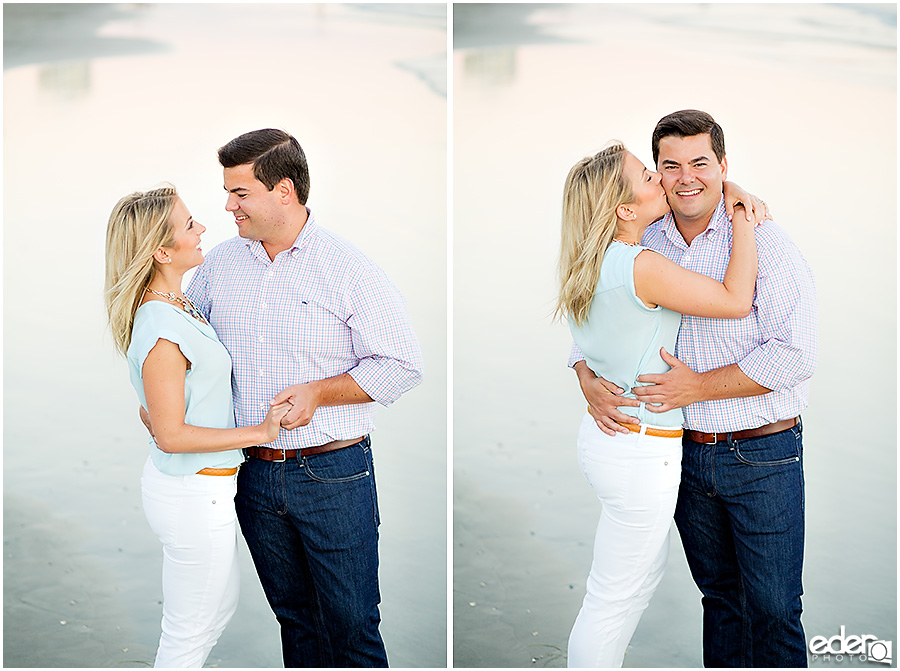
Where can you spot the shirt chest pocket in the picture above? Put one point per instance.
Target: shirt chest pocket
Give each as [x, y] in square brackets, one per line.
[319, 331]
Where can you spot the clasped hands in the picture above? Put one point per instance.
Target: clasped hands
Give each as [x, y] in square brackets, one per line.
[301, 397]
[676, 388]
[303, 401]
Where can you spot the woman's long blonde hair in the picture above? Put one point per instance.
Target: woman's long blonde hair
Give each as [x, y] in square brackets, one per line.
[595, 187]
[138, 226]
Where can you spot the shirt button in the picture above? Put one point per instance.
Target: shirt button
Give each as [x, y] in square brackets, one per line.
[262, 373]
[264, 306]
[261, 339]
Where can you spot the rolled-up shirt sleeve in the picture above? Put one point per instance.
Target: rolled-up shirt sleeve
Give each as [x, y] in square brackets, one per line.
[575, 355]
[390, 357]
[787, 316]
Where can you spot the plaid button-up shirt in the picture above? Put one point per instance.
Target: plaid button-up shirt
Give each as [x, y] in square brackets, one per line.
[775, 346]
[320, 309]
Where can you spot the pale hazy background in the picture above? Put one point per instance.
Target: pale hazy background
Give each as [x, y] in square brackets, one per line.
[807, 97]
[101, 100]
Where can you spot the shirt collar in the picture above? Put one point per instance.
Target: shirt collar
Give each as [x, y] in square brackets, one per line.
[670, 230]
[305, 233]
[256, 247]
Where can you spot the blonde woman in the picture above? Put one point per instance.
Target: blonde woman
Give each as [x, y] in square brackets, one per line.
[624, 303]
[182, 375]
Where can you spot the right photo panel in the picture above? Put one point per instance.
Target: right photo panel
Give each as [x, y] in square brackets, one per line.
[674, 335]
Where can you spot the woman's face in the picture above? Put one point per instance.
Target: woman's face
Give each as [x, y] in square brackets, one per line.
[650, 198]
[185, 251]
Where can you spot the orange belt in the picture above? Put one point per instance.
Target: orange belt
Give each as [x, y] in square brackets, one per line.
[218, 471]
[659, 433]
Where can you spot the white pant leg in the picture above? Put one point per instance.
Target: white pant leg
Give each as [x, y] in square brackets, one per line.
[195, 520]
[636, 477]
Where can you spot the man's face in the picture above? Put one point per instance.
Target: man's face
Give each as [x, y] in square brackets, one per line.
[256, 209]
[691, 176]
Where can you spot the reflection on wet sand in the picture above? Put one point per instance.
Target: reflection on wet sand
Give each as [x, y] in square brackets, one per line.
[799, 89]
[104, 99]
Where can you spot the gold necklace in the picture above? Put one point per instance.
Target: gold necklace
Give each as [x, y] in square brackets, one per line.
[186, 304]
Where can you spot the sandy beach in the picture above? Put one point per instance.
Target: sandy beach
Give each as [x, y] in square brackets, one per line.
[807, 97]
[101, 100]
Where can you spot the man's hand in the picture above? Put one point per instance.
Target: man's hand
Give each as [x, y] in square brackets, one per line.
[338, 390]
[304, 401]
[676, 388]
[145, 418]
[604, 399]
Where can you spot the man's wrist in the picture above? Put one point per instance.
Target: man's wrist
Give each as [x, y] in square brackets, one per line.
[727, 382]
[315, 390]
[704, 389]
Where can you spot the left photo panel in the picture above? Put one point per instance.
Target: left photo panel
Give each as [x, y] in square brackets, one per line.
[225, 282]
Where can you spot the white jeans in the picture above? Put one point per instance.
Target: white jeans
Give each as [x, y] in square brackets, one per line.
[194, 517]
[636, 477]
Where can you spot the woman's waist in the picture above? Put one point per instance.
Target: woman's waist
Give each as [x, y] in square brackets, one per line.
[643, 414]
[189, 463]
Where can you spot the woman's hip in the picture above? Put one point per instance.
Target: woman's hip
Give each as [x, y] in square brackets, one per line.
[633, 468]
[190, 509]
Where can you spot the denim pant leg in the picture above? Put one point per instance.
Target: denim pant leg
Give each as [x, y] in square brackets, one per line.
[705, 531]
[312, 528]
[751, 522]
[768, 518]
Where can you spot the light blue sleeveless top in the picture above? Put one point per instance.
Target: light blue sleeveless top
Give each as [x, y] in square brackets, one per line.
[621, 338]
[207, 385]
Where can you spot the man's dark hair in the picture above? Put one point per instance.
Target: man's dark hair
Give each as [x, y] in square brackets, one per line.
[685, 124]
[274, 155]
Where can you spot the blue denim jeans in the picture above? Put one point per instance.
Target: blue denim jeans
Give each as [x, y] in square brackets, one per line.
[311, 524]
[740, 514]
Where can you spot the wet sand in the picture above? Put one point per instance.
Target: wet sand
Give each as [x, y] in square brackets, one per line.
[101, 100]
[807, 97]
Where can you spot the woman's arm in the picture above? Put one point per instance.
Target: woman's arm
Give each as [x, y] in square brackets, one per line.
[658, 281]
[164, 371]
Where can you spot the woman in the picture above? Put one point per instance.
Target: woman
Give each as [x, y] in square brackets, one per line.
[182, 375]
[623, 303]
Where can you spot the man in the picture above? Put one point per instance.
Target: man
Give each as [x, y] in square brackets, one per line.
[308, 319]
[742, 384]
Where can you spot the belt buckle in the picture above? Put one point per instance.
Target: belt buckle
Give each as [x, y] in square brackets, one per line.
[283, 456]
[715, 439]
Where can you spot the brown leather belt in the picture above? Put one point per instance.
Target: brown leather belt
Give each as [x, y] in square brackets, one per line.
[659, 433]
[268, 454]
[767, 430]
[217, 471]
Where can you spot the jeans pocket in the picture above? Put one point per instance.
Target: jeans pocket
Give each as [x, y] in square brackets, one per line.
[775, 450]
[345, 465]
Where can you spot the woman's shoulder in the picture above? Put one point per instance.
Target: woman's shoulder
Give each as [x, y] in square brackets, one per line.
[156, 312]
[618, 262]
[156, 318]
